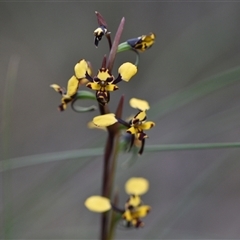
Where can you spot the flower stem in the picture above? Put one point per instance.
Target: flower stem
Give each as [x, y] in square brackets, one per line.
[110, 157]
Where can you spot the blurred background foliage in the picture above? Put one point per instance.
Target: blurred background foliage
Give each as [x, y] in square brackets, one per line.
[193, 194]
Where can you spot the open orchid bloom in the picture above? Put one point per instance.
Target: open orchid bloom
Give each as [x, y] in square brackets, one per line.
[77, 79]
[133, 216]
[134, 208]
[136, 126]
[143, 42]
[105, 82]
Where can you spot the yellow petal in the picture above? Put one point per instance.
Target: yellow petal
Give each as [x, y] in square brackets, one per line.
[137, 186]
[103, 74]
[139, 104]
[133, 201]
[147, 125]
[111, 87]
[81, 68]
[98, 204]
[93, 86]
[131, 130]
[142, 211]
[72, 86]
[141, 116]
[105, 120]
[91, 125]
[127, 216]
[127, 70]
[83, 81]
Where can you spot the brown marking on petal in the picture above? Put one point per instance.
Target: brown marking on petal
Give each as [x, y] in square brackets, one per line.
[141, 136]
[96, 80]
[89, 85]
[61, 108]
[109, 79]
[128, 132]
[102, 97]
[135, 121]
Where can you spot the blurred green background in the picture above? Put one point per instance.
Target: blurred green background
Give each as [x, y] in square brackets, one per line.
[193, 194]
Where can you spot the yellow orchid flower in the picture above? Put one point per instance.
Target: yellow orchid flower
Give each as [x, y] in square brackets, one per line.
[105, 82]
[136, 126]
[132, 217]
[102, 84]
[133, 210]
[79, 78]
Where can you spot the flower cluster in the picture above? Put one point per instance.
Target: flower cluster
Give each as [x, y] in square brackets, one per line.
[134, 209]
[103, 83]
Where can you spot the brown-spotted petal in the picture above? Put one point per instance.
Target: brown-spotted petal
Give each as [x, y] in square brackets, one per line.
[81, 68]
[72, 86]
[131, 130]
[143, 210]
[93, 86]
[111, 87]
[147, 125]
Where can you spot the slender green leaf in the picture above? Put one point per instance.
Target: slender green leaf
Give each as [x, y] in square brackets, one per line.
[93, 152]
[195, 91]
